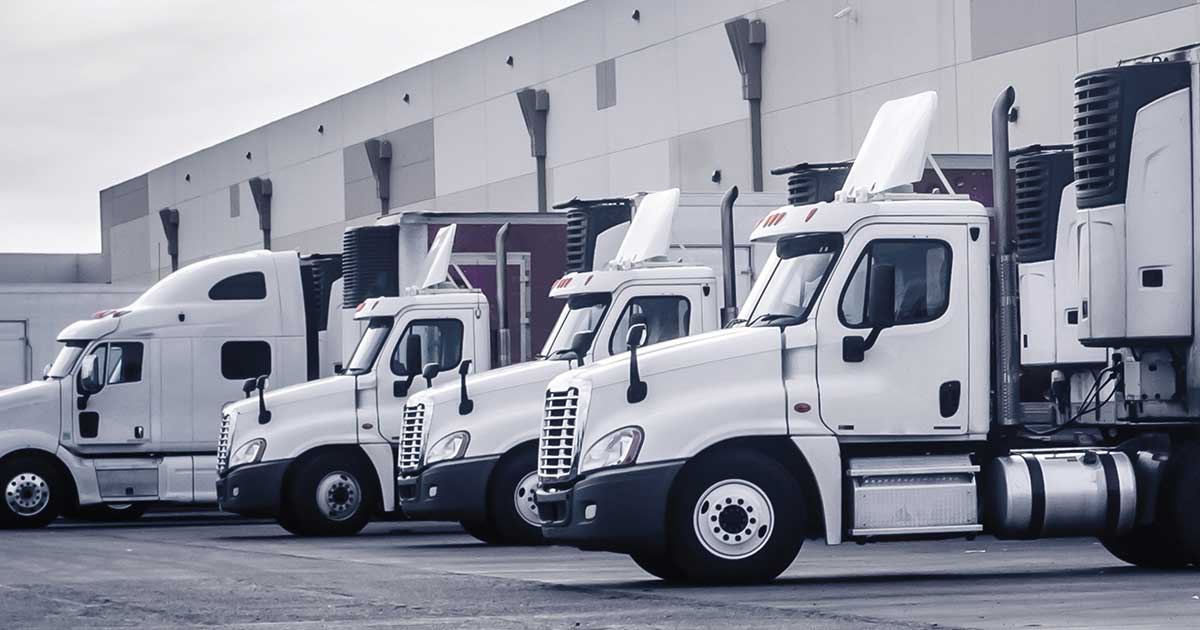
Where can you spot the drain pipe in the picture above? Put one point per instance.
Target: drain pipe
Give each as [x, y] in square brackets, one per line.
[503, 338]
[729, 310]
[1007, 377]
[170, 223]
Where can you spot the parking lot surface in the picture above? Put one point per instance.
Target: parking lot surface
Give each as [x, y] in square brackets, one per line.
[205, 570]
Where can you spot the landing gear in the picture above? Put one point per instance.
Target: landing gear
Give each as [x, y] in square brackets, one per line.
[33, 493]
[329, 496]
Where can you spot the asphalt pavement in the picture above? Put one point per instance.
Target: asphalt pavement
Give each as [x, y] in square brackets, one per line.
[208, 570]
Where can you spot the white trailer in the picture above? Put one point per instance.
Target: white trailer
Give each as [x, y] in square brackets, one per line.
[875, 394]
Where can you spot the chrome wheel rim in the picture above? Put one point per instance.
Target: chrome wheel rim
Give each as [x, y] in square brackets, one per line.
[523, 500]
[27, 494]
[338, 496]
[734, 519]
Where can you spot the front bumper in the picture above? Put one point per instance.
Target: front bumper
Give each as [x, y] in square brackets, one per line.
[253, 489]
[448, 491]
[627, 509]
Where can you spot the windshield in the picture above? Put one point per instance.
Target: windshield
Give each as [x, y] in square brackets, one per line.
[583, 313]
[793, 284]
[65, 361]
[368, 346]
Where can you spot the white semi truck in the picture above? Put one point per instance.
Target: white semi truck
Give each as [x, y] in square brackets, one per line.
[127, 414]
[469, 453]
[874, 393]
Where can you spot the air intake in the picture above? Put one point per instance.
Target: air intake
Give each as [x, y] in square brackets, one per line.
[811, 183]
[370, 263]
[317, 275]
[1041, 175]
[1106, 106]
[586, 220]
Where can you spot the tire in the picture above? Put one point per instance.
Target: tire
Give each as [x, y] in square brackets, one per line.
[1183, 492]
[1148, 547]
[480, 530]
[288, 522]
[33, 493]
[660, 566]
[329, 495]
[112, 512]
[512, 485]
[736, 517]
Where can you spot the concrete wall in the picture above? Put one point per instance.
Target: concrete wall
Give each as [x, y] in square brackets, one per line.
[634, 105]
[53, 268]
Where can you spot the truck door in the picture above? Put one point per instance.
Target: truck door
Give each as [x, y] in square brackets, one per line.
[913, 380]
[444, 338]
[669, 312]
[119, 414]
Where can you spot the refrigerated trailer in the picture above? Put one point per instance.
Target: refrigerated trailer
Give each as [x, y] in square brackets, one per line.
[875, 392]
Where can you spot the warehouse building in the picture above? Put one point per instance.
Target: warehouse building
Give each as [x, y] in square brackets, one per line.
[612, 96]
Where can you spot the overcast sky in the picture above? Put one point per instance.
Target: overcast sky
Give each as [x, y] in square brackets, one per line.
[93, 93]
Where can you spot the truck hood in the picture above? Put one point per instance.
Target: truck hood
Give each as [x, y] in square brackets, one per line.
[318, 393]
[684, 352]
[25, 406]
[501, 379]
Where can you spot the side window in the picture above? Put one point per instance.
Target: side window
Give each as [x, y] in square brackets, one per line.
[666, 317]
[124, 363]
[441, 342]
[922, 280]
[244, 286]
[241, 360]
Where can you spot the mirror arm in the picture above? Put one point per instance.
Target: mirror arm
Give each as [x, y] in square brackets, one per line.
[637, 387]
[872, 337]
[82, 401]
[465, 405]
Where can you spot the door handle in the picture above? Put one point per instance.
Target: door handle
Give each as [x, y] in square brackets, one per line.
[948, 397]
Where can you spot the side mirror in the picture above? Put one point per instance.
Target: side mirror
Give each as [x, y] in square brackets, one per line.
[338, 368]
[580, 344]
[430, 372]
[249, 386]
[90, 376]
[412, 355]
[264, 414]
[881, 303]
[636, 337]
[465, 404]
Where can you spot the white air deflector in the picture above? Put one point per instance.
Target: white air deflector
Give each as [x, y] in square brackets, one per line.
[897, 496]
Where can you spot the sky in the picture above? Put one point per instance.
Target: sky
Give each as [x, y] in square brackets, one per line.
[93, 93]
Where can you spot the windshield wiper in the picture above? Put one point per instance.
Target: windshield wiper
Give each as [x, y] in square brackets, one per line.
[767, 318]
[735, 321]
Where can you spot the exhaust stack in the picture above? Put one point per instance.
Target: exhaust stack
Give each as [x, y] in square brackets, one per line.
[503, 335]
[729, 310]
[1007, 377]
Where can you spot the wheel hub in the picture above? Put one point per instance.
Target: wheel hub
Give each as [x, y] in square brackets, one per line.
[27, 494]
[524, 500]
[733, 519]
[338, 496]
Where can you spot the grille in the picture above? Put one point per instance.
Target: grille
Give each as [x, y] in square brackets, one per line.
[223, 442]
[556, 452]
[412, 438]
[1097, 133]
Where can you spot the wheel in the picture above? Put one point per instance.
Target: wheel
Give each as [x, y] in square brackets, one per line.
[329, 495]
[1149, 547]
[660, 566]
[513, 512]
[287, 521]
[1183, 492]
[112, 512]
[735, 518]
[33, 493]
[480, 530]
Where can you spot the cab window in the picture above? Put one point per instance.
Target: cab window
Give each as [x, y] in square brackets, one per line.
[922, 281]
[441, 342]
[244, 286]
[666, 317]
[120, 362]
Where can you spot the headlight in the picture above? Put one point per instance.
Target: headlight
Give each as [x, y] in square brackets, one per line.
[450, 447]
[249, 453]
[618, 448]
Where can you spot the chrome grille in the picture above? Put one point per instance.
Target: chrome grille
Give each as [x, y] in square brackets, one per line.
[412, 438]
[223, 442]
[556, 448]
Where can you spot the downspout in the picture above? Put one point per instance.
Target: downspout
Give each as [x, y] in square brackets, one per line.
[379, 155]
[729, 310]
[747, 38]
[503, 338]
[535, 106]
[1007, 377]
[260, 189]
[170, 223]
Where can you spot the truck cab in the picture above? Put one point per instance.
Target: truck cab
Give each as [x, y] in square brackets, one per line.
[473, 449]
[127, 413]
[318, 457]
